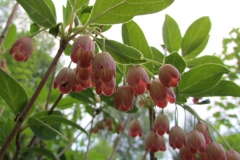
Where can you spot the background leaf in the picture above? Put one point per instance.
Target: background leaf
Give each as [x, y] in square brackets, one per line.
[171, 34]
[41, 12]
[195, 35]
[12, 93]
[78, 4]
[201, 78]
[107, 11]
[132, 35]
[203, 60]
[223, 88]
[121, 53]
[59, 119]
[42, 151]
[176, 60]
[10, 38]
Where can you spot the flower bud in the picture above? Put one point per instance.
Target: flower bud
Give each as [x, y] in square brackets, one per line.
[155, 143]
[203, 128]
[138, 79]
[124, 98]
[65, 80]
[22, 49]
[135, 128]
[203, 156]
[161, 124]
[169, 75]
[177, 137]
[186, 154]
[196, 141]
[232, 155]
[215, 151]
[83, 51]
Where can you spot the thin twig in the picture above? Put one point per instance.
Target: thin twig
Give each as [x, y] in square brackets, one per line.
[120, 137]
[9, 21]
[55, 104]
[19, 142]
[145, 155]
[63, 45]
[50, 89]
[151, 119]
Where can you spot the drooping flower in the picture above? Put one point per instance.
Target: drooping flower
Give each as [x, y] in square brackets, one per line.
[138, 79]
[120, 127]
[155, 143]
[186, 154]
[22, 49]
[196, 142]
[169, 75]
[232, 155]
[215, 151]
[161, 124]
[65, 80]
[203, 128]
[106, 88]
[135, 128]
[84, 73]
[104, 67]
[124, 98]
[177, 137]
[83, 51]
[203, 156]
[161, 94]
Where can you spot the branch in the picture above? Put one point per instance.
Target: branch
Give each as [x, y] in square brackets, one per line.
[18, 145]
[151, 119]
[9, 21]
[63, 45]
[120, 137]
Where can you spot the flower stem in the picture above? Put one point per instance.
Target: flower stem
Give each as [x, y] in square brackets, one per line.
[34, 34]
[153, 61]
[23, 115]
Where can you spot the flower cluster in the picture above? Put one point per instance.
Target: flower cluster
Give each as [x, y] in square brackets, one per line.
[92, 70]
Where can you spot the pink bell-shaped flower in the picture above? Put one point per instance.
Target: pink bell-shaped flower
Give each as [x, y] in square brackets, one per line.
[155, 143]
[196, 142]
[186, 154]
[215, 151]
[84, 73]
[232, 155]
[138, 79]
[107, 89]
[135, 128]
[104, 67]
[65, 80]
[161, 124]
[203, 156]
[169, 75]
[83, 51]
[202, 127]
[22, 49]
[124, 98]
[161, 94]
[177, 137]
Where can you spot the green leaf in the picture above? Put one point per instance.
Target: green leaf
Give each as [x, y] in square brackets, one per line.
[34, 28]
[41, 12]
[121, 53]
[67, 12]
[108, 11]
[78, 4]
[43, 130]
[84, 14]
[12, 93]
[201, 78]
[203, 60]
[157, 56]
[86, 96]
[59, 119]
[176, 60]
[223, 88]
[132, 35]
[54, 30]
[198, 49]
[41, 151]
[171, 34]
[66, 102]
[67, 51]
[10, 38]
[195, 35]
